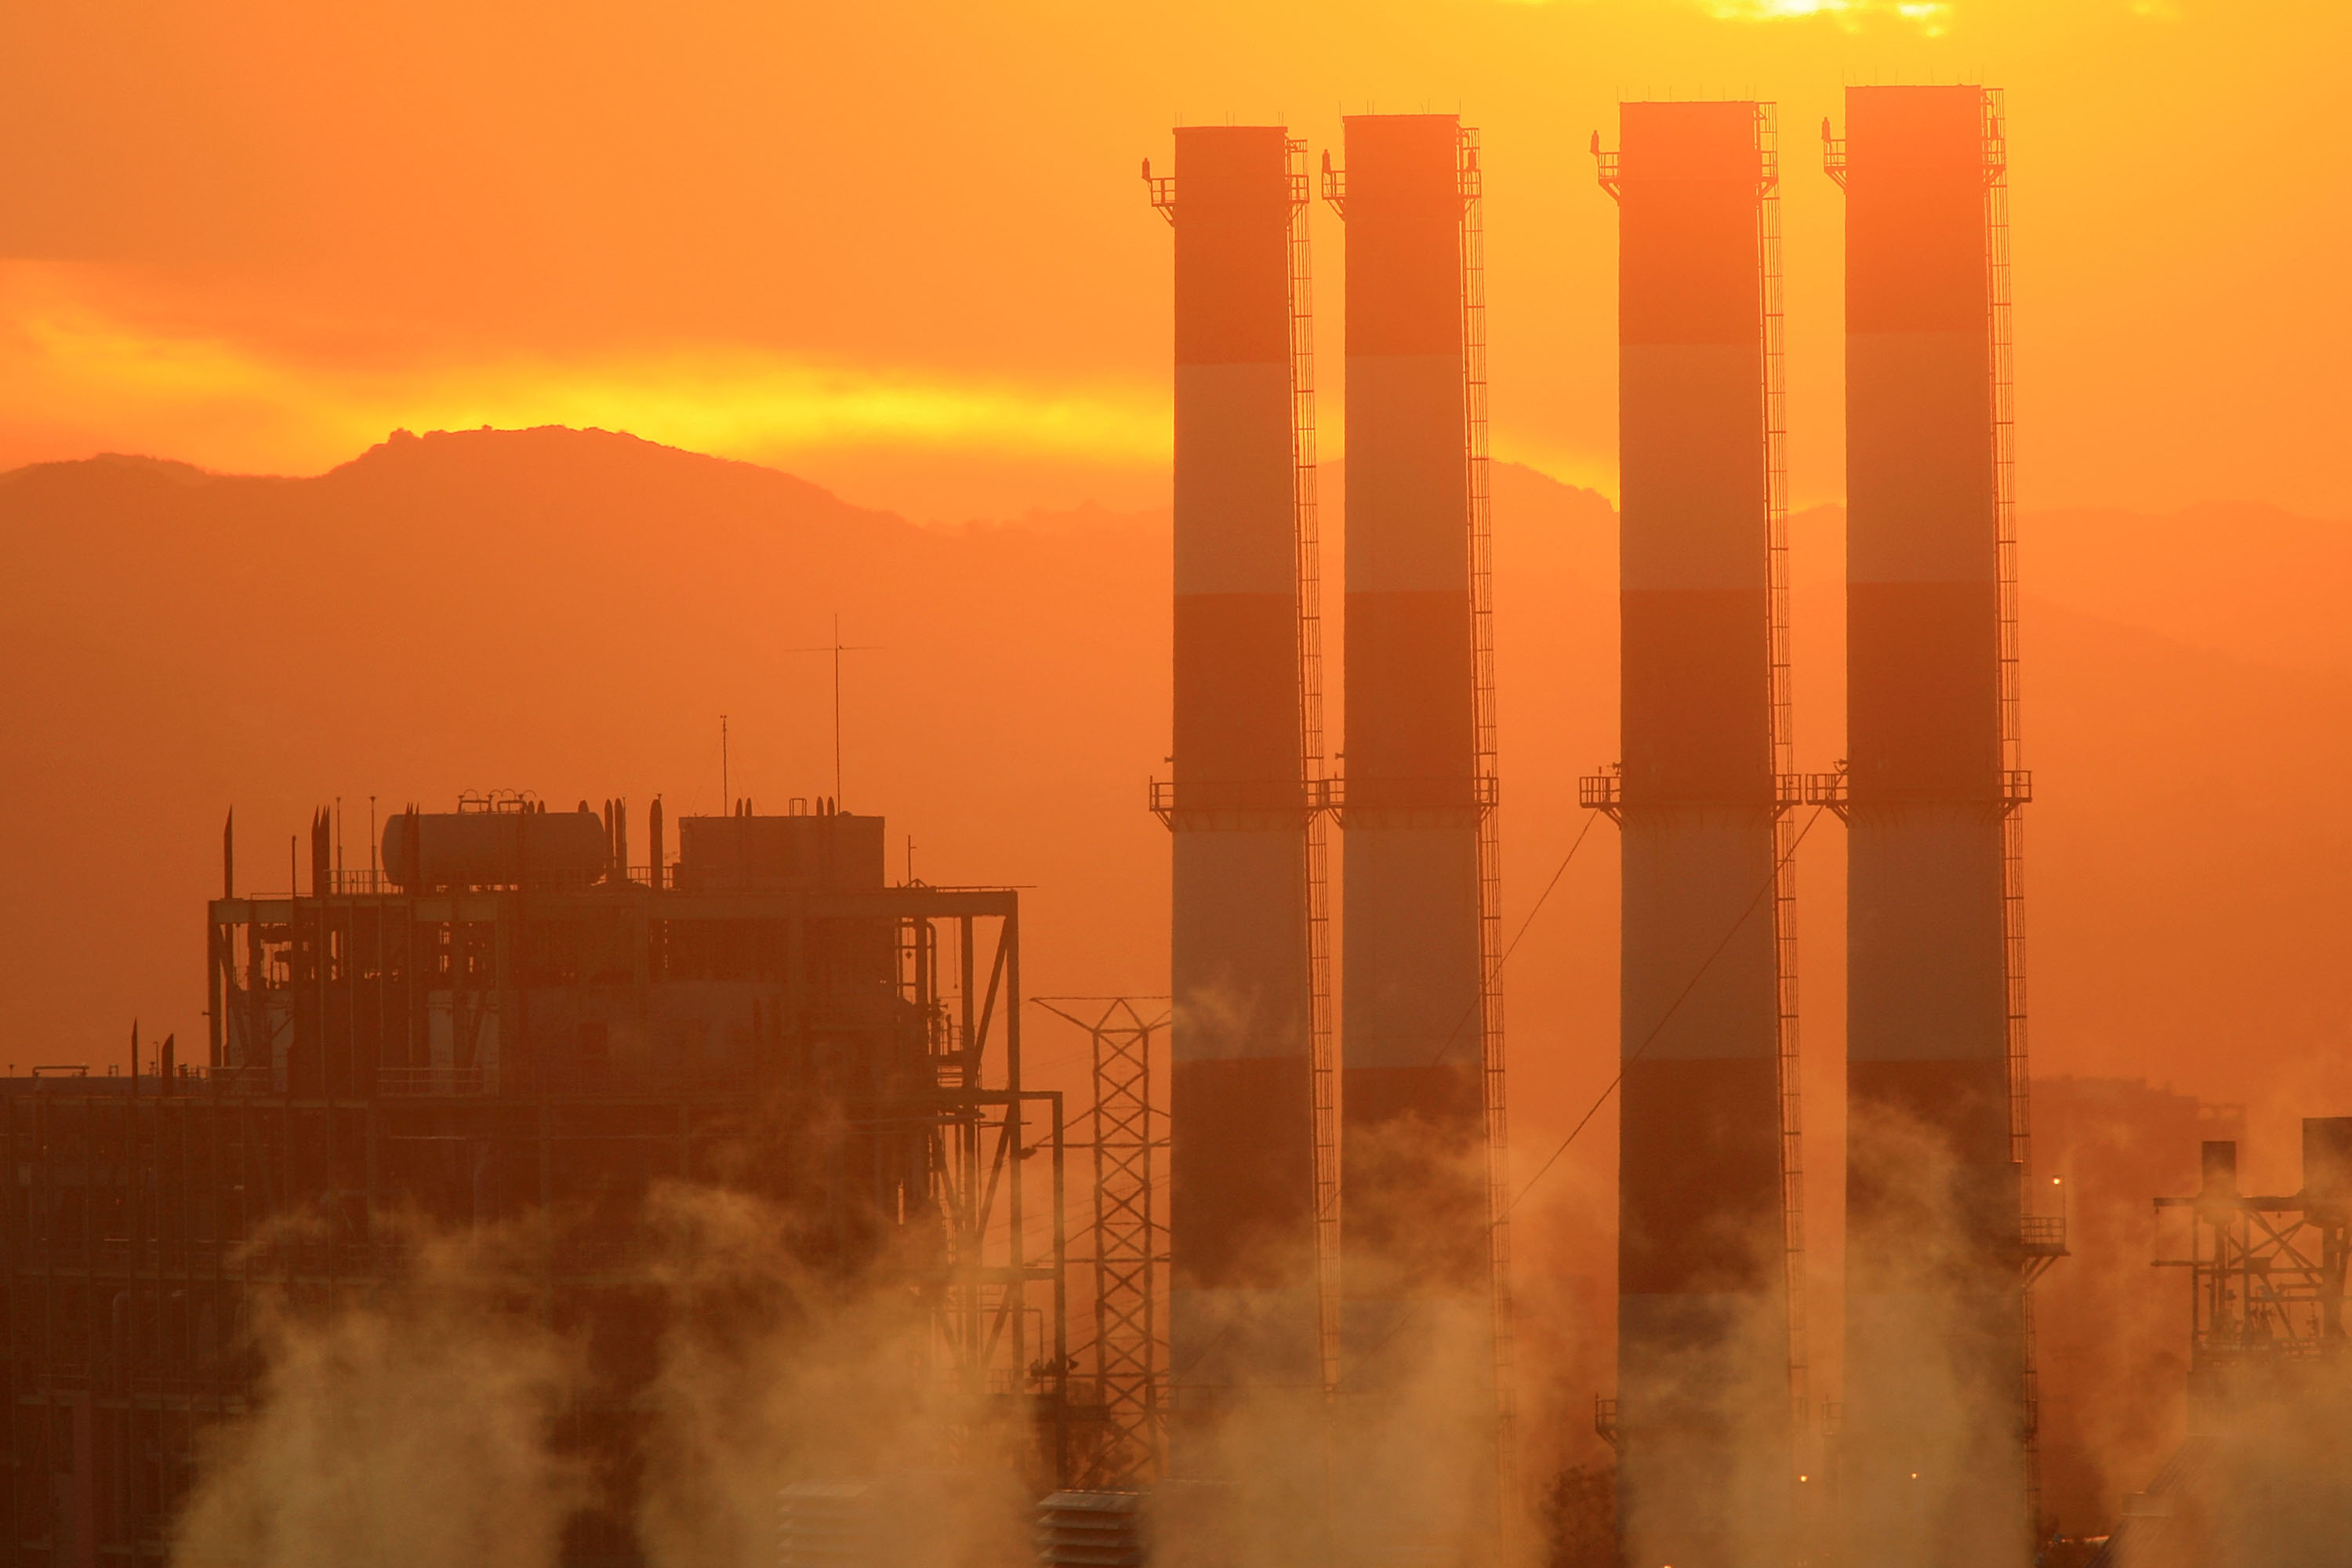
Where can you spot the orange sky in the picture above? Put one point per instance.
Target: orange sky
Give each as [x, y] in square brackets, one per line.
[900, 247]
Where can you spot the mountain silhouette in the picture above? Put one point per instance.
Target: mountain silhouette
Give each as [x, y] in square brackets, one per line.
[573, 611]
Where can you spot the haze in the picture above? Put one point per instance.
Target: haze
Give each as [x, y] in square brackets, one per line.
[717, 323]
[900, 248]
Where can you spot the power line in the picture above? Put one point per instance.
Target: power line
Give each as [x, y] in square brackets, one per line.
[1635, 1055]
[1446, 1045]
[1558, 872]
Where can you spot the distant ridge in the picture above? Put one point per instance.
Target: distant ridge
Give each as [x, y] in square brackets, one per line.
[571, 611]
[542, 450]
[168, 469]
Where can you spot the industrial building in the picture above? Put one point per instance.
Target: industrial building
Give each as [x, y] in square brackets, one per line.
[507, 1018]
[1252, 1177]
[1937, 1429]
[1422, 1257]
[2264, 1476]
[1710, 1351]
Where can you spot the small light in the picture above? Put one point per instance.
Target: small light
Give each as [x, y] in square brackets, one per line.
[1915, 1474]
[1804, 1477]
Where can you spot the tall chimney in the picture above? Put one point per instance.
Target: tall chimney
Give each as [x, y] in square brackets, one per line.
[323, 861]
[1937, 1465]
[1421, 1019]
[1245, 1323]
[1706, 1357]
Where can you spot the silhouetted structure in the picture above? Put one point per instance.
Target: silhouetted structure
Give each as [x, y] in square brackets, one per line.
[1939, 1419]
[1252, 1185]
[508, 1021]
[1126, 1136]
[1709, 1331]
[1422, 1250]
[2264, 1477]
[2106, 1346]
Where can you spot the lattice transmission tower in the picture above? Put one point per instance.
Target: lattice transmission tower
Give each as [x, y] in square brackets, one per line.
[1128, 1138]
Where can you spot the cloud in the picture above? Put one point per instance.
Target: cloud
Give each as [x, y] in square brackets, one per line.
[77, 357]
[1931, 16]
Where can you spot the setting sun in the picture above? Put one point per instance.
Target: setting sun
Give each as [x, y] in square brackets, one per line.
[756, 817]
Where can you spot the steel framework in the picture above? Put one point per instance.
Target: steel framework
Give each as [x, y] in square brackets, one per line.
[2267, 1273]
[1129, 1350]
[159, 1211]
[2261, 1474]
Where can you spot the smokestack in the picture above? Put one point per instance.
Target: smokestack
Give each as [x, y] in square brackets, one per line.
[1708, 1294]
[323, 879]
[1938, 1376]
[1422, 1021]
[2327, 1163]
[1243, 1306]
[2217, 1161]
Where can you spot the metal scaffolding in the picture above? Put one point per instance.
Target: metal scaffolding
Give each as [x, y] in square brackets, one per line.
[2266, 1272]
[391, 1063]
[1129, 1348]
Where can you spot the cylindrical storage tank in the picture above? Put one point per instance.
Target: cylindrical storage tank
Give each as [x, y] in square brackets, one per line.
[1935, 1467]
[1703, 1413]
[494, 848]
[1415, 1228]
[1243, 1306]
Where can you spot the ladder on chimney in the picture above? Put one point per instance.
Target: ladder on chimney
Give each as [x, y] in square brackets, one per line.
[1322, 1056]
